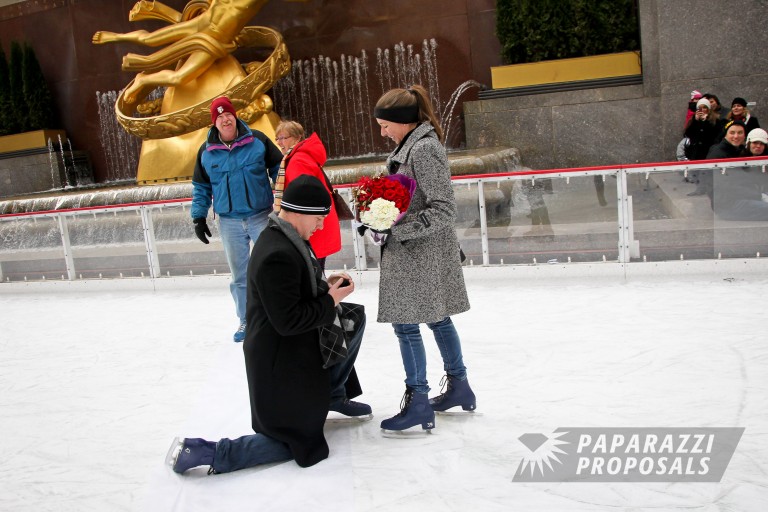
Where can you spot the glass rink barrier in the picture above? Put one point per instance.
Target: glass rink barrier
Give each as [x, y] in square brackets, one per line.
[622, 214]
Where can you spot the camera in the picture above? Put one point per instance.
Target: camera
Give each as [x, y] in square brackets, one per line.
[344, 282]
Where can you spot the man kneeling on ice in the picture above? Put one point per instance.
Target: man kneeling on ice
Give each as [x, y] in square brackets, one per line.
[289, 302]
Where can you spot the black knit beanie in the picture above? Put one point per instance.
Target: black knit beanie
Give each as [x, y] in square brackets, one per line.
[739, 101]
[306, 195]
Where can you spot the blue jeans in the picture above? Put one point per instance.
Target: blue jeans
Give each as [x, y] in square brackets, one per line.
[236, 236]
[248, 451]
[255, 449]
[415, 358]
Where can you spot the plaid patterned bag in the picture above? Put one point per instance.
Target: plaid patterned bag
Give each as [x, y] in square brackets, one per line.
[333, 337]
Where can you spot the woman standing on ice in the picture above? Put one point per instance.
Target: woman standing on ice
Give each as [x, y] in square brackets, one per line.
[421, 276]
[306, 156]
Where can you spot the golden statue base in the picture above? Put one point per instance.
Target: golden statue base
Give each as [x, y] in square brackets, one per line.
[199, 41]
[173, 159]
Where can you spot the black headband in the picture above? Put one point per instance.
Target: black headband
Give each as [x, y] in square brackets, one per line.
[402, 115]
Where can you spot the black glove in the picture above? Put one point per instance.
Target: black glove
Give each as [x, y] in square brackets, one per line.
[361, 229]
[201, 229]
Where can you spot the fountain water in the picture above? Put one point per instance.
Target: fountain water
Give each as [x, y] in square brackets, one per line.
[72, 156]
[68, 169]
[335, 97]
[65, 183]
[447, 114]
[121, 148]
[50, 159]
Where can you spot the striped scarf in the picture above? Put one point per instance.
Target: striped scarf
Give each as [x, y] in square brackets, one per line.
[280, 183]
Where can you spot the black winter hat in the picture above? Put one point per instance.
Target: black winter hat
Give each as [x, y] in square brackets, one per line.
[735, 122]
[306, 195]
[739, 101]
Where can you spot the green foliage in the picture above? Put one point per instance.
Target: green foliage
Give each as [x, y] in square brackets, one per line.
[36, 93]
[18, 105]
[5, 96]
[26, 102]
[535, 30]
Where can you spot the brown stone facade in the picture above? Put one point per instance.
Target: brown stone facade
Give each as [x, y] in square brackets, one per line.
[681, 52]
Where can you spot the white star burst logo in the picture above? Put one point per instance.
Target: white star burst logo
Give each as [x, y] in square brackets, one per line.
[220, 110]
[543, 450]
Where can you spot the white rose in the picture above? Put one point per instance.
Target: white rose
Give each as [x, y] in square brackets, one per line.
[381, 214]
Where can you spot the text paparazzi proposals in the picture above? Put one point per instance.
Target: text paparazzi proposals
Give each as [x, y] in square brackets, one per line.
[628, 454]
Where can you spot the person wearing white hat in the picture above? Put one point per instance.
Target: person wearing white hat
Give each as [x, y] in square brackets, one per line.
[701, 134]
[737, 192]
[695, 97]
[756, 142]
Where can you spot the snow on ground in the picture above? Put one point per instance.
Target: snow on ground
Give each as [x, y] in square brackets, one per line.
[97, 378]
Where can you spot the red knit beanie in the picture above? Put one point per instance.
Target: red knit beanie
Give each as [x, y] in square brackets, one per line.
[219, 106]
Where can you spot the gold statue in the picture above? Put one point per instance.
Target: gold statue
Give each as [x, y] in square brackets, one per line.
[196, 67]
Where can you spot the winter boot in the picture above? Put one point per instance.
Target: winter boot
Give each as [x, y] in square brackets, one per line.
[190, 453]
[458, 393]
[414, 410]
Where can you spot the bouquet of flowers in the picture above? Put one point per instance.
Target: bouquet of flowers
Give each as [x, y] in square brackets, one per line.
[382, 201]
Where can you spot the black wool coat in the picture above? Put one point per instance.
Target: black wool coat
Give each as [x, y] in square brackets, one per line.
[289, 389]
[702, 135]
[724, 149]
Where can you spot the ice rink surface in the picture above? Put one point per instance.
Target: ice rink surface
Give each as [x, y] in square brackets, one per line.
[97, 378]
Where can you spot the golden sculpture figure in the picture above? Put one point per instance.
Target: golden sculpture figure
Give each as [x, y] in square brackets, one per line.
[196, 67]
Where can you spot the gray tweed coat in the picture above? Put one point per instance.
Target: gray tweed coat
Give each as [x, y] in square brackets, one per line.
[421, 275]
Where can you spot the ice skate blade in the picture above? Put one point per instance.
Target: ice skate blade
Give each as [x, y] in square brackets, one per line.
[457, 411]
[340, 419]
[174, 451]
[411, 433]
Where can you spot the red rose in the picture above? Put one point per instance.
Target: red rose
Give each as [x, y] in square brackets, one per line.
[388, 188]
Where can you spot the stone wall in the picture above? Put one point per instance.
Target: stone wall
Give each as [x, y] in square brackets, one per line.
[24, 173]
[27, 173]
[686, 45]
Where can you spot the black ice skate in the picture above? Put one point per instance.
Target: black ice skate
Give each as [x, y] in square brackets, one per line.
[346, 410]
[415, 410]
[186, 453]
[458, 393]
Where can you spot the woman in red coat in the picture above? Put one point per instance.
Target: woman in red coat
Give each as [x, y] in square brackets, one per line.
[307, 156]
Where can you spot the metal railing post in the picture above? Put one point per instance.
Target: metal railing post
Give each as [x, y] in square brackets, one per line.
[358, 245]
[69, 260]
[149, 242]
[483, 222]
[624, 216]
[358, 242]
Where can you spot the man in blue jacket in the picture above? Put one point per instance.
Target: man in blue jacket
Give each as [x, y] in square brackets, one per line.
[233, 171]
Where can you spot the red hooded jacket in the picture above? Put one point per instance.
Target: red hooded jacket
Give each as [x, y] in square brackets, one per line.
[308, 157]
